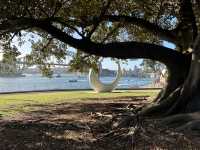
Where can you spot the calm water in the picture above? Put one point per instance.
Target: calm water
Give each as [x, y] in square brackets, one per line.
[36, 82]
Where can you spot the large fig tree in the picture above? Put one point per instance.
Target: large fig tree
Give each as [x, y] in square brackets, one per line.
[124, 29]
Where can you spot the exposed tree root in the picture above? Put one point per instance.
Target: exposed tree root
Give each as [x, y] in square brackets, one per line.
[180, 119]
[150, 132]
[162, 107]
[188, 123]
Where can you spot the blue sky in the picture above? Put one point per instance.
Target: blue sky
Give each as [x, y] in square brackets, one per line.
[107, 62]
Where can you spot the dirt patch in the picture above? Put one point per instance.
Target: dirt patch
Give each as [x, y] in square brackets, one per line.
[91, 125]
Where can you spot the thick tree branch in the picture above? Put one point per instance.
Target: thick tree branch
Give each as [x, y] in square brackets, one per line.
[186, 29]
[188, 18]
[14, 25]
[96, 24]
[164, 34]
[151, 27]
[122, 50]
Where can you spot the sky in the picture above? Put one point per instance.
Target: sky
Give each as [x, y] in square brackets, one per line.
[107, 62]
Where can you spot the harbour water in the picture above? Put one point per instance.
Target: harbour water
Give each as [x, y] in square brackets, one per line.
[65, 81]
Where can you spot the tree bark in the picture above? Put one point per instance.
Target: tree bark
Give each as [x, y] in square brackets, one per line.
[186, 98]
[189, 100]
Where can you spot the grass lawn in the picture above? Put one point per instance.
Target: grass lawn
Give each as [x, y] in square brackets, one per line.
[11, 104]
[75, 120]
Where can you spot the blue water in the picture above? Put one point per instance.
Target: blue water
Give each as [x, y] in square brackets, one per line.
[37, 82]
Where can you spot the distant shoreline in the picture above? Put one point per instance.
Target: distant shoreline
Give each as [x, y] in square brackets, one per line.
[12, 75]
[40, 84]
[66, 90]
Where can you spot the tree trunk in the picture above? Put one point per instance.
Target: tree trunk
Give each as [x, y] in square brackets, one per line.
[186, 98]
[189, 101]
[183, 104]
[176, 77]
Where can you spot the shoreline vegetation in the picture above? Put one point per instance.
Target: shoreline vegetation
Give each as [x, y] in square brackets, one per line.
[136, 72]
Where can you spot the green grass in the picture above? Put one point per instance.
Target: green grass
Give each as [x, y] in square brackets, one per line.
[11, 104]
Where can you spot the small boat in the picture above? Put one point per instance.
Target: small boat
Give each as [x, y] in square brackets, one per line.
[58, 76]
[73, 80]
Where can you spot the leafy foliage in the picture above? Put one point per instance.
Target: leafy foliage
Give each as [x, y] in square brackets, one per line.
[82, 62]
[95, 21]
[152, 66]
[10, 55]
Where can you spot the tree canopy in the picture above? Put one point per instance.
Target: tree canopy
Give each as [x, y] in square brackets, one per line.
[124, 29]
[100, 27]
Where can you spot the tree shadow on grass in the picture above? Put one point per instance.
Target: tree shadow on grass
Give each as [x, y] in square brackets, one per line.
[36, 136]
[77, 126]
[64, 126]
[88, 105]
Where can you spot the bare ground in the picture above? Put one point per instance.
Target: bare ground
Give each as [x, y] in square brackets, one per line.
[90, 125]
